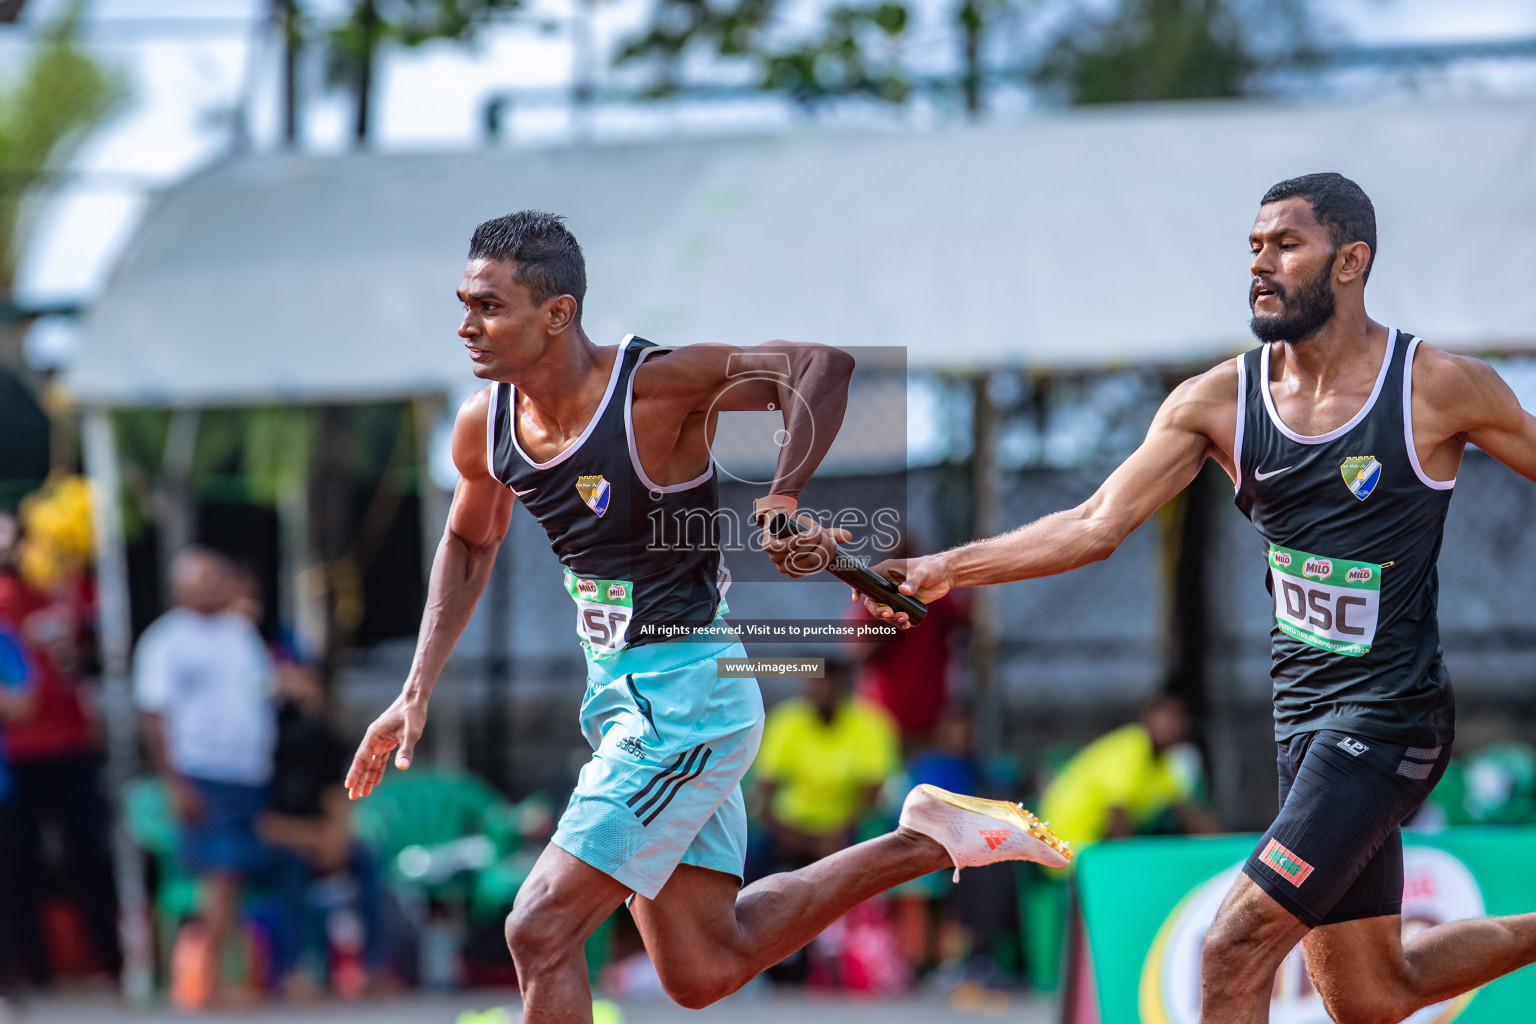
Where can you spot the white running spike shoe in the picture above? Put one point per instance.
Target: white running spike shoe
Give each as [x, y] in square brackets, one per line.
[975, 831]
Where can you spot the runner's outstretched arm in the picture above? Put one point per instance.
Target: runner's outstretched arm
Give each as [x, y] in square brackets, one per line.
[1197, 421]
[477, 522]
[1460, 400]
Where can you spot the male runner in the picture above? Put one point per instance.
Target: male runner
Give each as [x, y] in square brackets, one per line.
[1343, 438]
[597, 442]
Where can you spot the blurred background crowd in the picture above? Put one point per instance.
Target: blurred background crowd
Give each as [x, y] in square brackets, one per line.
[229, 234]
[266, 882]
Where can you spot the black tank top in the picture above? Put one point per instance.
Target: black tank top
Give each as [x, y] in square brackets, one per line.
[642, 561]
[1354, 528]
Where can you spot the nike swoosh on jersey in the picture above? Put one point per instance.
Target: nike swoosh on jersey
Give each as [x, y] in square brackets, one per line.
[523, 494]
[1259, 474]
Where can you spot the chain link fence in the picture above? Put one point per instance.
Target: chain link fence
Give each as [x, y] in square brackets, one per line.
[1075, 654]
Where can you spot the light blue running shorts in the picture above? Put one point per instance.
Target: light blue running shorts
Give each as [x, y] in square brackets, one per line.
[671, 743]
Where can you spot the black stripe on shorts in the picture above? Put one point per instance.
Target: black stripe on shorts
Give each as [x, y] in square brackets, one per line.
[667, 783]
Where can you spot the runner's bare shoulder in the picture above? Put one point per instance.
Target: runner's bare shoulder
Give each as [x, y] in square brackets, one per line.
[470, 432]
[1206, 404]
[688, 370]
[1463, 388]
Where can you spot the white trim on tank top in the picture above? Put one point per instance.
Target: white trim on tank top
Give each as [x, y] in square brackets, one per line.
[1413, 451]
[1242, 414]
[490, 432]
[1337, 432]
[570, 449]
[634, 452]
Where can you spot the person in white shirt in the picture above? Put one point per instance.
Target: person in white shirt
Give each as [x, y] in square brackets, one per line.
[203, 683]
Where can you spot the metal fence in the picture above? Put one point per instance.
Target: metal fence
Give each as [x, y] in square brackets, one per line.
[1074, 654]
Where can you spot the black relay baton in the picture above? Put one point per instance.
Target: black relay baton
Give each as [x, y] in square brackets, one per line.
[856, 574]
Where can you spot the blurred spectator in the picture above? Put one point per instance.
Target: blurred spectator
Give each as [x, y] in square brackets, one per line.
[1124, 782]
[308, 822]
[960, 924]
[57, 765]
[15, 702]
[909, 674]
[203, 682]
[247, 600]
[824, 757]
[950, 763]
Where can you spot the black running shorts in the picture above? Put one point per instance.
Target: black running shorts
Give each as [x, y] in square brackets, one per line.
[1335, 853]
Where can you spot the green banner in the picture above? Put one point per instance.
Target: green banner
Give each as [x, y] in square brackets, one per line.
[1147, 903]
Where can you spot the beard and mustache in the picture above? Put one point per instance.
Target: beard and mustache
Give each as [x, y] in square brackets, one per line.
[1306, 310]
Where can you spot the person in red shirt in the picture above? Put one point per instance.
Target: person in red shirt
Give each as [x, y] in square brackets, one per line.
[55, 757]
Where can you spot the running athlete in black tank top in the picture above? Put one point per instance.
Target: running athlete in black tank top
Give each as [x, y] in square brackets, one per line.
[1353, 526]
[1343, 439]
[597, 442]
[595, 501]
[1364, 713]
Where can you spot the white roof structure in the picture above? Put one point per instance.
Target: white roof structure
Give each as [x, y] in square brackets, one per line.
[1086, 239]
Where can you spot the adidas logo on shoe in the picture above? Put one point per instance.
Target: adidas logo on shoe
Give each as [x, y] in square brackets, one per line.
[967, 828]
[994, 837]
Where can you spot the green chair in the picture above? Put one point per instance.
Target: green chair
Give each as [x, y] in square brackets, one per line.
[150, 820]
[461, 842]
[422, 813]
[1501, 785]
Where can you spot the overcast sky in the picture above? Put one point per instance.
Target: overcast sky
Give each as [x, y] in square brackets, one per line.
[188, 71]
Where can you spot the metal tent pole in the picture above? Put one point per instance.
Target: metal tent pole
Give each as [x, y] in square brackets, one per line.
[115, 636]
[985, 522]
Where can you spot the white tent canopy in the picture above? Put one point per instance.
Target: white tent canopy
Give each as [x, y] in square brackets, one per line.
[1096, 238]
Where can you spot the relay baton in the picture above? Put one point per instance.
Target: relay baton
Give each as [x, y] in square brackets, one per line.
[856, 574]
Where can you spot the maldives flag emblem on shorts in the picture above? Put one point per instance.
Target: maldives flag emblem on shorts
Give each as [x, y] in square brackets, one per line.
[594, 491]
[1361, 475]
[1285, 863]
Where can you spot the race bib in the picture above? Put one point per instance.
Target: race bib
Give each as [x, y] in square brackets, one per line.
[1330, 603]
[603, 611]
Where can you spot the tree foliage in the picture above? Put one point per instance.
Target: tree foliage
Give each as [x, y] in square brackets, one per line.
[46, 110]
[353, 43]
[853, 53]
[1141, 50]
[1168, 49]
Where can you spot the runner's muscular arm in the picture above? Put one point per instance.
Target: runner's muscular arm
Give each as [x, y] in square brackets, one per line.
[477, 522]
[1197, 421]
[1457, 400]
[808, 383]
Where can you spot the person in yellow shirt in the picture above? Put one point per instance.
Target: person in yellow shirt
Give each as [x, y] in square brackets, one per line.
[824, 757]
[1125, 780]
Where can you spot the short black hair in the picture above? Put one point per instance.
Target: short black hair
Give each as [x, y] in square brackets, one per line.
[547, 255]
[1339, 205]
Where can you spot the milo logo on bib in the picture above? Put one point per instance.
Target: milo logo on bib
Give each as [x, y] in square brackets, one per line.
[1330, 603]
[603, 611]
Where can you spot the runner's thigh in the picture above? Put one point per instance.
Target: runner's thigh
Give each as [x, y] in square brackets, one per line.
[1334, 852]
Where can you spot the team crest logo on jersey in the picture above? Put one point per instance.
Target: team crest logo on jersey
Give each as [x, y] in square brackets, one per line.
[1361, 475]
[594, 490]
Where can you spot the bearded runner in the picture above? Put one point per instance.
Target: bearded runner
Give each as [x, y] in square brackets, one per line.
[1343, 438]
[600, 443]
